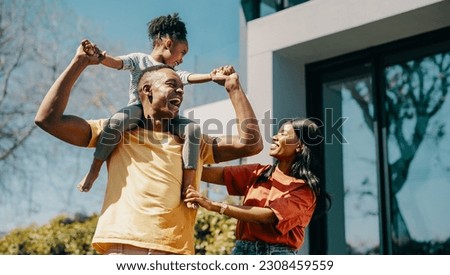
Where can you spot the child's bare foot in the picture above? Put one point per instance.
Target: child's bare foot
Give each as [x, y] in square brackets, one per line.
[92, 50]
[188, 179]
[86, 183]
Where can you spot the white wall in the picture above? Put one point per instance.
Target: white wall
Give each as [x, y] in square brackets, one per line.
[215, 119]
[279, 45]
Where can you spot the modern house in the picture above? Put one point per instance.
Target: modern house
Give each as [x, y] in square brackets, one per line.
[375, 75]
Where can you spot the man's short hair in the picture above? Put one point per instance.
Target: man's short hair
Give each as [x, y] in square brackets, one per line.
[154, 69]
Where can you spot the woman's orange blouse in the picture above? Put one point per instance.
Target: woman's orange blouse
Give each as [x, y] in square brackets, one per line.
[291, 199]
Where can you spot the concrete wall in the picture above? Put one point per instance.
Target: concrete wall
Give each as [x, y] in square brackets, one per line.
[279, 45]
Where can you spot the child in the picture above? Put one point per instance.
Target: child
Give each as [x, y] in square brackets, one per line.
[168, 34]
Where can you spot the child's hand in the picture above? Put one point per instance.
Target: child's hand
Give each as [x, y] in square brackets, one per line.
[224, 70]
[218, 77]
[222, 74]
[92, 50]
[81, 55]
[227, 70]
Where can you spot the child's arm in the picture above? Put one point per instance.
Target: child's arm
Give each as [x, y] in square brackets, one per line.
[202, 78]
[109, 61]
[112, 61]
[198, 78]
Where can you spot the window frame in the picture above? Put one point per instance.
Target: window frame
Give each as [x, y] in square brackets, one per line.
[377, 58]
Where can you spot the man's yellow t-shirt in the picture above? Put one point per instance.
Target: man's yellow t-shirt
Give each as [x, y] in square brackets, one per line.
[142, 204]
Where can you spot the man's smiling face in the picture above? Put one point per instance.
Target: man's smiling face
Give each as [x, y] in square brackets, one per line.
[163, 89]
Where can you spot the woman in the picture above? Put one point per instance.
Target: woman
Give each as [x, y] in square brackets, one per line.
[280, 199]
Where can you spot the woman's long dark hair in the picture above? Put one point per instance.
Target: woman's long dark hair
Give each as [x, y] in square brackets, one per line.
[307, 163]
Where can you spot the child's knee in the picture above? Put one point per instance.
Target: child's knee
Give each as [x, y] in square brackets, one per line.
[117, 121]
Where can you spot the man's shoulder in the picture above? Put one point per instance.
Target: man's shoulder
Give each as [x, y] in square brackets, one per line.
[97, 126]
[208, 139]
[206, 148]
[100, 122]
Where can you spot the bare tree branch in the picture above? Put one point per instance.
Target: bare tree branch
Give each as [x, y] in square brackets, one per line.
[19, 140]
[362, 102]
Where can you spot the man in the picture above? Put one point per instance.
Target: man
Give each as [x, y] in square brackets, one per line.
[142, 211]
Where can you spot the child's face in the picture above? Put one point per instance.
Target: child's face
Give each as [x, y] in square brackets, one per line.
[175, 53]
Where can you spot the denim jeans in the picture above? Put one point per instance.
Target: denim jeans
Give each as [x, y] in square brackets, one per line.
[261, 248]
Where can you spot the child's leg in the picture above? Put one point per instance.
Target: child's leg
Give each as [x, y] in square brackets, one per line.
[191, 133]
[125, 119]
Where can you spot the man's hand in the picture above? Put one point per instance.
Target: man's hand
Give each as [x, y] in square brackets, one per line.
[81, 54]
[226, 76]
[92, 50]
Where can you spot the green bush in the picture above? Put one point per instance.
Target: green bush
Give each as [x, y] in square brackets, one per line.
[62, 236]
[214, 233]
[72, 236]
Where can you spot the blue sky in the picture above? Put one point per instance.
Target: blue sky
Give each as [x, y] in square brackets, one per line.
[212, 25]
[213, 35]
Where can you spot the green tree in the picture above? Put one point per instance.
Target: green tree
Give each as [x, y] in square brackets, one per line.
[37, 41]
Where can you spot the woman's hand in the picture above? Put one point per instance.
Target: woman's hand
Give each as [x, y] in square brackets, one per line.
[192, 195]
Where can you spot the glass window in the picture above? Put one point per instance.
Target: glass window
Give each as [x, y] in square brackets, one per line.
[254, 9]
[351, 163]
[419, 153]
[386, 114]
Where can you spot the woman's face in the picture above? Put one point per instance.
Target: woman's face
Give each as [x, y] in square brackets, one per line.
[173, 55]
[285, 143]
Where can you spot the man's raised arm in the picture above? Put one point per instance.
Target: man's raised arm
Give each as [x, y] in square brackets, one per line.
[50, 116]
[249, 140]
